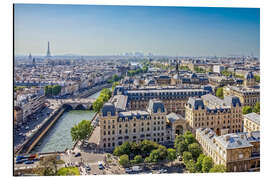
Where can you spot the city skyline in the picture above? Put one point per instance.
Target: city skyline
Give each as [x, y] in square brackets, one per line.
[110, 30]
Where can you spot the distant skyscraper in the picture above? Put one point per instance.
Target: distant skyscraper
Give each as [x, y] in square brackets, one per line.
[48, 50]
[34, 62]
[30, 57]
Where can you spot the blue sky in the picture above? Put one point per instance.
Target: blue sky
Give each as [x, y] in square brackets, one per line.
[110, 30]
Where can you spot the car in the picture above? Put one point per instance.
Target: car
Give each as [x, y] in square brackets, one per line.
[20, 161]
[100, 166]
[127, 170]
[87, 168]
[77, 154]
[29, 162]
[163, 170]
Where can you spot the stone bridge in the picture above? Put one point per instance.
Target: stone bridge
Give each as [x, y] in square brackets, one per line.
[77, 103]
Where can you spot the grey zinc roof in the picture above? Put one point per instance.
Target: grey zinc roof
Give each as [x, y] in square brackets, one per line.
[235, 140]
[120, 102]
[172, 117]
[213, 100]
[196, 102]
[253, 117]
[230, 141]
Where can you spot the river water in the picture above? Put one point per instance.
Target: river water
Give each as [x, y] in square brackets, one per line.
[58, 138]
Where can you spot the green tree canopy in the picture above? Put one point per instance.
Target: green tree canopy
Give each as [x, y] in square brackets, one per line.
[195, 150]
[181, 147]
[187, 156]
[68, 171]
[247, 110]
[123, 160]
[125, 148]
[207, 164]
[189, 137]
[218, 169]
[191, 166]
[256, 108]
[199, 162]
[81, 130]
[138, 159]
[219, 93]
[171, 154]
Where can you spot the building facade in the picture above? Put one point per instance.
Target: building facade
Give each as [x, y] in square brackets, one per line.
[117, 127]
[251, 122]
[174, 99]
[211, 112]
[239, 152]
[247, 96]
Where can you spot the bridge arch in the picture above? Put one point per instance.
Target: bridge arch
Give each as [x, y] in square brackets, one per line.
[67, 106]
[80, 107]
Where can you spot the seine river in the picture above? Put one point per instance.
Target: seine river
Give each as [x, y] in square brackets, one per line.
[58, 138]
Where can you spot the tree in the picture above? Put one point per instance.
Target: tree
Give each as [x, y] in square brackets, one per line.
[97, 105]
[138, 159]
[195, 150]
[48, 91]
[191, 166]
[171, 154]
[199, 162]
[219, 93]
[181, 147]
[68, 171]
[178, 139]
[256, 108]
[218, 169]
[247, 110]
[257, 78]
[187, 156]
[189, 137]
[81, 130]
[207, 164]
[48, 166]
[123, 160]
[125, 148]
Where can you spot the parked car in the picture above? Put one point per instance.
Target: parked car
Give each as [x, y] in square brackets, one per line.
[87, 168]
[29, 162]
[163, 170]
[127, 170]
[100, 165]
[78, 154]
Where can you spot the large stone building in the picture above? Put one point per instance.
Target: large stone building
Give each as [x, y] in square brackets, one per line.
[173, 98]
[239, 152]
[247, 96]
[251, 122]
[249, 80]
[211, 112]
[117, 126]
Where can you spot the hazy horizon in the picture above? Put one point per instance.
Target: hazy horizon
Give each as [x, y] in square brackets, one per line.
[90, 30]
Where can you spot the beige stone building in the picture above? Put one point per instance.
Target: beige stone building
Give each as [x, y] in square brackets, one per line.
[174, 99]
[117, 127]
[247, 96]
[251, 122]
[239, 152]
[211, 112]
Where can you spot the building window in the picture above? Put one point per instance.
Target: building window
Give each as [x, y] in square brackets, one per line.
[134, 130]
[120, 131]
